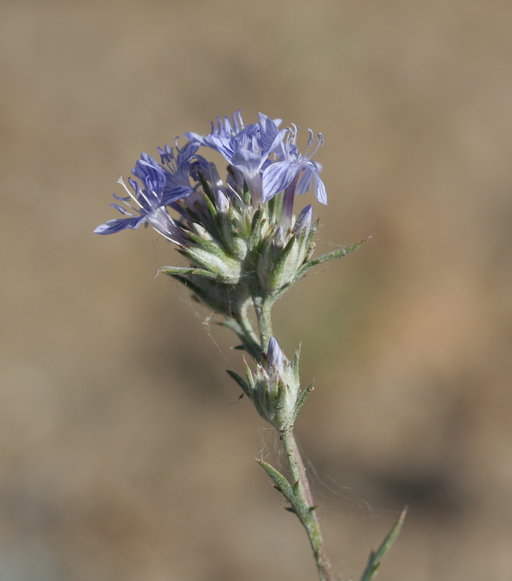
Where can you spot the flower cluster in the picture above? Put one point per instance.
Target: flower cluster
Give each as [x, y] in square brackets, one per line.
[274, 387]
[240, 235]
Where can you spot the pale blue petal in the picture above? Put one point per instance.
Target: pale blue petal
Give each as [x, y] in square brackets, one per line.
[277, 177]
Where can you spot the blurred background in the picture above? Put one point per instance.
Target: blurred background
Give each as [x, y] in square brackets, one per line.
[125, 452]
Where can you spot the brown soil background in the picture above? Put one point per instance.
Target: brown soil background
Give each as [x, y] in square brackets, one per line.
[125, 454]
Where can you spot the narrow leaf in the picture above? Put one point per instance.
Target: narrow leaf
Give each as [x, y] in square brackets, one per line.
[203, 244]
[255, 228]
[377, 556]
[303, 396]
[186, 270]
[340, 253]
[279, 480]
[233, 325]
[243, 384]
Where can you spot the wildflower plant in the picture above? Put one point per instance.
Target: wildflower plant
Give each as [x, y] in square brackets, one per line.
[246, 239]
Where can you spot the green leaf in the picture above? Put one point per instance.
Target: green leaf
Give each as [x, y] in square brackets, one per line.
[377, 556]
[243, 384]
[232, 324]
[206, 186]
[203, 244]
[255, 228]
[280, 481]
[187, 270]
[205, 296]
[340, 253]
[248, 372]
[303, 396]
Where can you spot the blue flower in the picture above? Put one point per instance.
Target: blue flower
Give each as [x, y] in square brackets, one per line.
[263, 161]
[232, 238]
[246, 148]
[159, 185]
[178, 165]
[146, 203]
[294, 174]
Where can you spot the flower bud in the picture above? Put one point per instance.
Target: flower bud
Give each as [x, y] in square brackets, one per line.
[274, 388]
[304, 221]
[283, 256]
[275, 356]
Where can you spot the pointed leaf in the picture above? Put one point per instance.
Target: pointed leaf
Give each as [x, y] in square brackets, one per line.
[377, 556]
[186, 270]
[198, 293]
[243, 384]
[255, 228]
[281, 259]
[303, 396]
[340, 253]
[282, 484]
[203, 244]
[232, 324]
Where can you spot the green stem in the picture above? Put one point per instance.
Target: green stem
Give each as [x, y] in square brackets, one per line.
[247, 334]
[263, 309]
[302, 504]
[305, 497]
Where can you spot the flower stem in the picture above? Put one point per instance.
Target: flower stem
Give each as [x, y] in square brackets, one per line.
[263, 309]
[302, 504]
[247, 334]
[303, 493]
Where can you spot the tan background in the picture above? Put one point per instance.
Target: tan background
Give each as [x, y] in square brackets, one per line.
[124, 451]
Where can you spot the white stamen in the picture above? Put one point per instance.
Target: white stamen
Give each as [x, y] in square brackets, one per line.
[238, 196]
[146, 199]
[121, 182]
[165, 235]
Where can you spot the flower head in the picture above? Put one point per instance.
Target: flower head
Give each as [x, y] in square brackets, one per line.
[238, 233]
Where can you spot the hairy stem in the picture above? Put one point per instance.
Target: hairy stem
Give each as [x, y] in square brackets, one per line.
[302, 504]
[263, 309]
[303, 492]
[247, 334]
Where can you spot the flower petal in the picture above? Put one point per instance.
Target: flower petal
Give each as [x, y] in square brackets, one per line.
[113, 226]
[277, 177]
